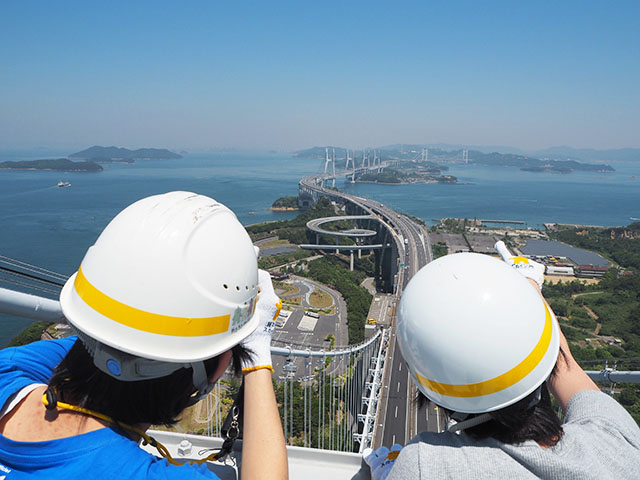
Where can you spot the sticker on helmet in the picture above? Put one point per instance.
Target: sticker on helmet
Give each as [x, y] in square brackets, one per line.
[240, 317]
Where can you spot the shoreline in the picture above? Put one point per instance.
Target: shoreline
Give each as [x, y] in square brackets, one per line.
[283, 209]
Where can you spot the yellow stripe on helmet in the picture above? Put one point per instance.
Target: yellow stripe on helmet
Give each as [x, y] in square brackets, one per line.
[506, 380]
[147, 321]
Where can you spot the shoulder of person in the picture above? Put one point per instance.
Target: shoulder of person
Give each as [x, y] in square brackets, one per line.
[595, 407]
[444, 439]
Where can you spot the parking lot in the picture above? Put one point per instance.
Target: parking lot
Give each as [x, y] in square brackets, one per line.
[302, 330]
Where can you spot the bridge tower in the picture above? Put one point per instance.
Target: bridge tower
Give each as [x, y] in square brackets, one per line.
[465, 156]
[326, 159]
[333, 167]
[353, 168]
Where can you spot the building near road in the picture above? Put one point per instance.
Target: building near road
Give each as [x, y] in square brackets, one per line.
[591, 271]
[559, 270]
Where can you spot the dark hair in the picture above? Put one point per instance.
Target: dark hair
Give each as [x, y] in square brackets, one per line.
[158, 401]
[521, 421]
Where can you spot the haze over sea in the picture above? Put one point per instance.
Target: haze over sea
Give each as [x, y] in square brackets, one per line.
[52, 227]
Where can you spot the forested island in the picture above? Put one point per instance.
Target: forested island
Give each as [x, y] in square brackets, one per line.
[285, 204]
[396, 177]
[124, 155]
[58, 164]
[534, 164]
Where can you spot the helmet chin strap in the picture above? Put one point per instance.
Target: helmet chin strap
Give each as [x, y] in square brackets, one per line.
[201, 382]
[129, 368]
[472, 422]
[485, 417]
[124, 366]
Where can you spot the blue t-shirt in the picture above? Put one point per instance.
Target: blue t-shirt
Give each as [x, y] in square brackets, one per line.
[103, 453]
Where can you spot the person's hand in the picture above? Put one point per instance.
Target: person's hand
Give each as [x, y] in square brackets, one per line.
[381, 461]
[527, 267]
[259, 342]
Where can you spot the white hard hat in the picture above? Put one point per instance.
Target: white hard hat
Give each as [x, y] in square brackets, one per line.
[475, 334]
[173, 277]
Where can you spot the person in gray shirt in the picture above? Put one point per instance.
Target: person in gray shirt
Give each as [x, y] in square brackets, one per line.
[484, 345]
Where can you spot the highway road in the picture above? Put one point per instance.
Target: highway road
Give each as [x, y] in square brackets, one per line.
[401, 393]
[399, 419]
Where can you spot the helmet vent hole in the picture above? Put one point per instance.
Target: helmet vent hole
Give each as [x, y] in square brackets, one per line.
[246, 287]
[225, 286]
[237, 288]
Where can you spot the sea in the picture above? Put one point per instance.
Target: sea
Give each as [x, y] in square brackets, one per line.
[52, 227]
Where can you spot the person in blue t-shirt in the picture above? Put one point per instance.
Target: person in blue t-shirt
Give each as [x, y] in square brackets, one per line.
[166, 299]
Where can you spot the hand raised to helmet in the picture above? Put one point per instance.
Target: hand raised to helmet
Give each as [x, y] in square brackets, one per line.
[526, 266]
[267, 309]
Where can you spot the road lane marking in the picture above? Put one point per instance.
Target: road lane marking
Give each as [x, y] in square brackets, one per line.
[398, 389]
[396, 415]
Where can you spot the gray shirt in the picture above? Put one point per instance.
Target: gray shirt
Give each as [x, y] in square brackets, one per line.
[600, 440]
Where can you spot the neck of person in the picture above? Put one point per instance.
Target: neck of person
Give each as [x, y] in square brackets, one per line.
[31, 421]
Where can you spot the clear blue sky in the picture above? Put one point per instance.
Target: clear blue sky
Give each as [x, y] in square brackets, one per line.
[288, 75]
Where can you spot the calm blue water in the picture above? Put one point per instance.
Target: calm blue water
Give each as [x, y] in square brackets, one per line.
[52, 227]
[511, 194]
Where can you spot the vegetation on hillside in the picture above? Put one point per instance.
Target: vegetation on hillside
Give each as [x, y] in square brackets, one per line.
[282, 259]
[602, 321]
[332, 271]
[30, 334]
[440, 249]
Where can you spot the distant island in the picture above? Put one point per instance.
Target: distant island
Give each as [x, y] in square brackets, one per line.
[534, 164]
[58, 164]
[395, 177]
[100, 154]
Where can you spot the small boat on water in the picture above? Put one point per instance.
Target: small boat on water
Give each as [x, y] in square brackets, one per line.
[63, 184]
